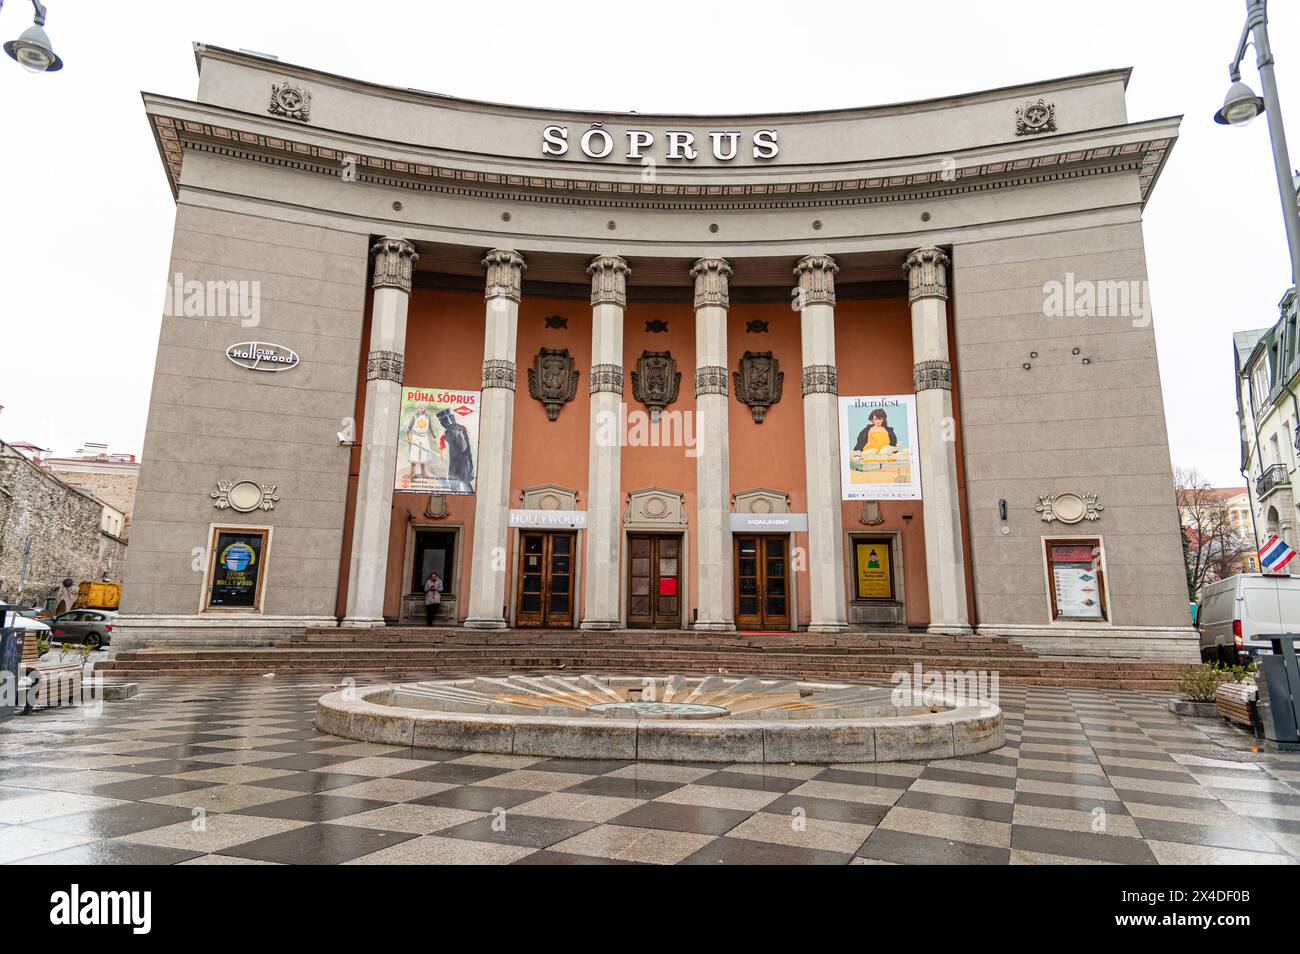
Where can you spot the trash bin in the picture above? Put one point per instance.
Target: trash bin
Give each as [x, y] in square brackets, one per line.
[11, 657]
[1278, 676]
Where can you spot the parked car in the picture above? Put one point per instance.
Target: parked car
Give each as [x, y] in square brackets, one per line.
[1236, 612]
[92, 627]
[24, 617]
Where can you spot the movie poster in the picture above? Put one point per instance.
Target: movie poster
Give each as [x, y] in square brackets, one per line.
[875, 570]
[237, 570]
[878, 448]
[437, 441]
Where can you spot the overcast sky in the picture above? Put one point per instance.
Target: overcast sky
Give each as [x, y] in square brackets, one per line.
[88, 217]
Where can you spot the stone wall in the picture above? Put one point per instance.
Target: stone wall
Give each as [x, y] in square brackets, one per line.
[66, 540]
[116, 490]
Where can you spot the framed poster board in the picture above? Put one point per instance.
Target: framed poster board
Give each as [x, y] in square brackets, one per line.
[1076, 582]
[437, 441]
[873, 568]
[878, 448]
[237, 569]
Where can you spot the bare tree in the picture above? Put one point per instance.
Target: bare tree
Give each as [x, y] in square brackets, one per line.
[1214, 546]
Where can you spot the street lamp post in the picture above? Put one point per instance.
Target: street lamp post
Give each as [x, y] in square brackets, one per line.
[32, 49]
[1241, 105]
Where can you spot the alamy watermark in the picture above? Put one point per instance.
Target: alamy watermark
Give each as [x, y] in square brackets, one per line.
[1108, 298]
[214, 299]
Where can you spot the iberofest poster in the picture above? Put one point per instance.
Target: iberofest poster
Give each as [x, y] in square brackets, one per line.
[878, 449]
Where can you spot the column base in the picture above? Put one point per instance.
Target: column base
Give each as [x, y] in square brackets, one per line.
[714, 625]
[487, 623]
[600, 624]
[828, 627]
[362, 622]
[949, 629]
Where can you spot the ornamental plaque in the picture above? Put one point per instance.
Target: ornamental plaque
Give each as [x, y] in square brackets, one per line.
[1068, 507]
[553, 380]
[1036, 117]
[758, 382]
[656, 381]
[290, 101]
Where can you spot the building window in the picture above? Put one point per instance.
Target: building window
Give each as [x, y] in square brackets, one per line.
[873, 568]
[1076, 580]
[237, 569]
[1260, 386]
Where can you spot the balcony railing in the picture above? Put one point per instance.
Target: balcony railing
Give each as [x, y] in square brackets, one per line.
[1274, 476]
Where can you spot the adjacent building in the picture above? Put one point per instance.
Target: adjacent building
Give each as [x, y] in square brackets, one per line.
[876, 367]
[1268, 376]
[107, 476]
[53, 536]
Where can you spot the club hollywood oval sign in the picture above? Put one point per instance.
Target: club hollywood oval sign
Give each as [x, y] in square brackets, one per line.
[262, 356]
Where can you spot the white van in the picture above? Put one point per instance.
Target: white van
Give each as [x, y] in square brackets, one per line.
[1235, 613]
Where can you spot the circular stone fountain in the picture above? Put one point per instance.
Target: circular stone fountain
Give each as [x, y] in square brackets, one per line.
[674, 718]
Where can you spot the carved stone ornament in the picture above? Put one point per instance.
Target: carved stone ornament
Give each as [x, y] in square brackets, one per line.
[758, 382]
[657, 326]
[932, 375]
[1069, 507]
[816, 275]
[505, 274]
[436, 509]
[712, 282]
[557, 321]
[756, 327]
[395, 260]
[606, 377]
[244, 496]
[871, 515]
[927, 274]
[1038, 116]
[710, 379]
[290, 101]
[498, 373]
[656, 381]
[655, 509]
[608, 280]
[553, 380]
[385, 366]
[819, 379]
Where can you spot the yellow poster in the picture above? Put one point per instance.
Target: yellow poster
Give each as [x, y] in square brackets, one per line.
[875, 577]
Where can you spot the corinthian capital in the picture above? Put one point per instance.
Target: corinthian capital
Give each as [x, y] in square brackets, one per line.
[505, 274]
[927, 274]
[394, 260]
[816, 274]
[712, 282]
[608, 280]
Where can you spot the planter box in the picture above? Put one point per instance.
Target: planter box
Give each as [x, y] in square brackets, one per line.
[1200, 710]
[1235, 701]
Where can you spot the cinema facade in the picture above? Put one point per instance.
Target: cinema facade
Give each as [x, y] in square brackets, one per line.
[605, 371]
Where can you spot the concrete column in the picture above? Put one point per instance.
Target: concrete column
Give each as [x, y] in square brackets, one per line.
[487, 588]
[821, 428]
[714, 596]
[932, 375]
[604, 490]
[394, 260]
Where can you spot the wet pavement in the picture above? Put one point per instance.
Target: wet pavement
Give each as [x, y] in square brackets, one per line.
[231, 771]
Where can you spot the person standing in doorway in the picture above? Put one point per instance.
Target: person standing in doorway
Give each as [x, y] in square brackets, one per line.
[432, 597]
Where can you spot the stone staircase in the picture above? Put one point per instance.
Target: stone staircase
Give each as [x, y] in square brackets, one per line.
[398, 652]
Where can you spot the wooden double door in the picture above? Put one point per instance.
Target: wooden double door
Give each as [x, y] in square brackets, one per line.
[545, 579]
[654, 569]
[762, 581]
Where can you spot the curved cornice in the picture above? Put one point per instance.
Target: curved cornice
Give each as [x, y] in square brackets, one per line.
[180, 125]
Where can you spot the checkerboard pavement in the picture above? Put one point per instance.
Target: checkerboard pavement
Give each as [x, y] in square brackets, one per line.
[231, 771]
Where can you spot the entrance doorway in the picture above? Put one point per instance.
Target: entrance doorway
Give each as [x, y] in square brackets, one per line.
[653, 581]
[545, 596]
[435, 551]
[762, 581]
